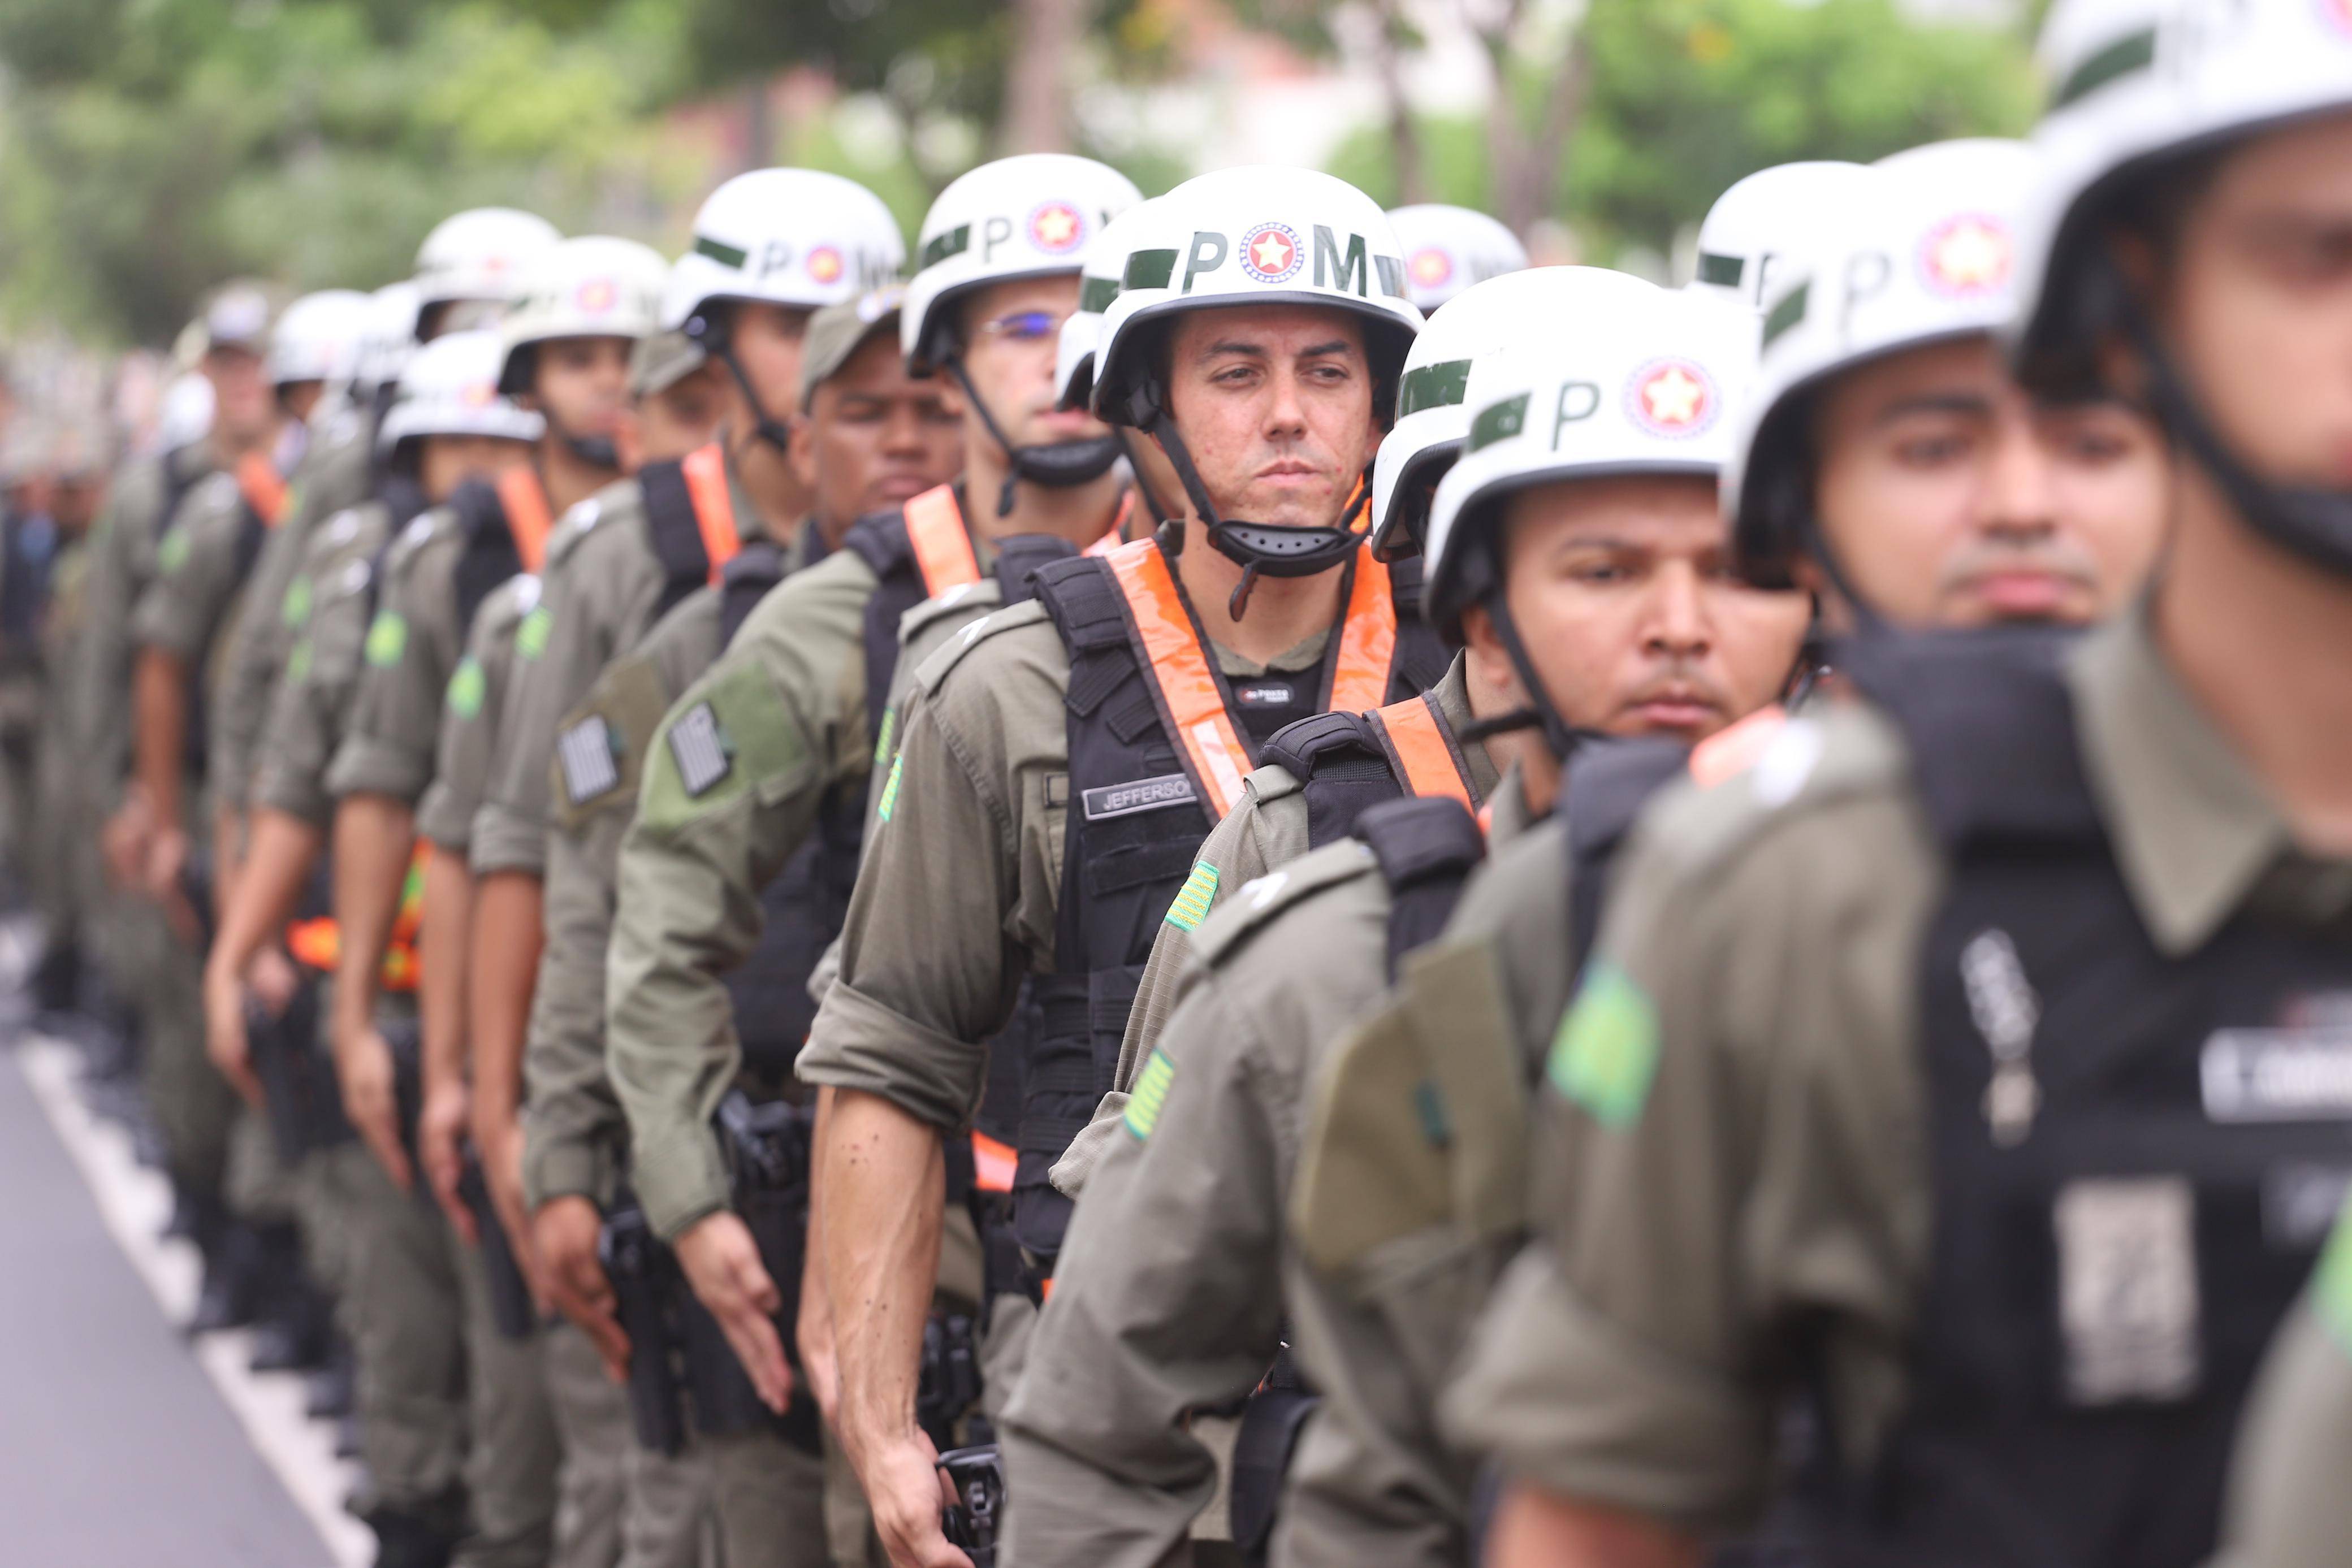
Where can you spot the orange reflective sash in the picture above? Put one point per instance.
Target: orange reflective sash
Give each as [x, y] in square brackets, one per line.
[263, 490]
[714, 509]
[1417, 742]
[942, 549]
[318, 943]
[525, 504]
[993, 1164]
[1190, 700]
[1359, 680]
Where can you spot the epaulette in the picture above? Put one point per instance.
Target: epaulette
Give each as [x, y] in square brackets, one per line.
[935, 669]
[352, 578]
[959, 600]
[1256, 904]
[420, 532]
[217, 488]
[582, 520]
[1271, 781]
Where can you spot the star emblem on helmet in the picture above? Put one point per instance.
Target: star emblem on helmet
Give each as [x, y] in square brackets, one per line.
[1270, 253]
[825, 264]
[1671, 398]
[1967, 256]
[597, 295]
[1431, 267]
[1056, 227]
[478, 394]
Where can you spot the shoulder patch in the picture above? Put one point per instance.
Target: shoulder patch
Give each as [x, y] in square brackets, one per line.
[468, 688]
[889, 801]
[587, 757]
[294, 607]
[531, 634]
[936, 668]
[701, 749]
[1606, 1052]
[1149, 1093]
[1193, 900]
[172, 553]
[1258, 903]
[387, 639]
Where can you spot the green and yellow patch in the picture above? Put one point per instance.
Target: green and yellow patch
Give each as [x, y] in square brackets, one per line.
[1606, 1052]
[531, 637]
[387, 639]
[294, 610]
[1150, 1093]
[1193, 899]
[889, 801]
[887, 733]
[468, 687]
[172, 553]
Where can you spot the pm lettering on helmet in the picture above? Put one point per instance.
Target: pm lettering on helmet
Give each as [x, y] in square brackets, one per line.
[995, 231]
[774, 257]
[1579, 401]
[1207, 254]
[1333, 270]
[1867, 274]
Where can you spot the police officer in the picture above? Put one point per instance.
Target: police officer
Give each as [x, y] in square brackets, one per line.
[674, 400]
[1102, 729]
[1758, 219]
[1956, 1061]
[1448, 250]
[1392, 1276]
[1169, 1300]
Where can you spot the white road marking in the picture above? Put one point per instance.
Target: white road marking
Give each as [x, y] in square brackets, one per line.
[134, 1203]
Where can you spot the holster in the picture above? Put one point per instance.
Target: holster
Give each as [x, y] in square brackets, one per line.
[512, 1307]
[645, 1281]
[768, 1148]
[1272, 1419]
[970, 1522]
[300, 1093]
[949, 1383]
[404, 1037]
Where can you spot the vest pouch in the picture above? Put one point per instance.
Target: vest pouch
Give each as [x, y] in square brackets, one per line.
[719, 1391]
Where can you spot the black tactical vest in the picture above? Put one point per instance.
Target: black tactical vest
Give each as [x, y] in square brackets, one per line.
[673, 533]
[487, 553]
[2134, 1158]
[1134, 828]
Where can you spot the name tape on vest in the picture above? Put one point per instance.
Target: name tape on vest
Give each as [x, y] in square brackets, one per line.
[2278, 1074]
[1142, 794]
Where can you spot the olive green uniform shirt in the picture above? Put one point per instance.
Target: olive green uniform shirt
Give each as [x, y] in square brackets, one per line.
[2288, 1506]
[789, 695]
[1739, 1103]
[412, 648]
[331, 478]
[311, 703]
[603, 592]
[123, 563]
[472, 702]
[1166, 1299]
[572, 1124]
[956, 898]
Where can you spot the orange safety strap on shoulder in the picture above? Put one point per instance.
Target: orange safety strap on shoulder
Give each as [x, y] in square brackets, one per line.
[262, 487]
[524, 501]
[992, 1163]
[943, 547]
[1359, 680]
[1732, 751]
[1178, 665]
[1417, 736]
[705, 469]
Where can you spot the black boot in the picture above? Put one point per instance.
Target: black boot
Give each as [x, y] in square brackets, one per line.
[231, 1294]
[295, 1322]
[347, 1436]
[425, 1535]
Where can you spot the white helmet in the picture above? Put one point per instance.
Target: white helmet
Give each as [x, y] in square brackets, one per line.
[1920, 251]
[1651, 385]
[1242, 237]
[451, 388]
[1449, 249]
[318, 338]
[1031, 216]
[1099, 285]
[1763, 218]
[794, 237]
[593, 286]
[1552, 304]
[479, 254]
[388, 336]
[186, 412]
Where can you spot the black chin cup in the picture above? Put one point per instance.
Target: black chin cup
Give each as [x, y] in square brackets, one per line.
[1271, 550]
[597, 451]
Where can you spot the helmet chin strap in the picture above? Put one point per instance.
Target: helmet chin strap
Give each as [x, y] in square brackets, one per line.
[765, 426]
[1560, 736]
[2310, 521]
[596, 451]
[1269, 549]
[1053, 465]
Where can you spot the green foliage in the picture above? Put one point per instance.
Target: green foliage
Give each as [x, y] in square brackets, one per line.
[1687, 96]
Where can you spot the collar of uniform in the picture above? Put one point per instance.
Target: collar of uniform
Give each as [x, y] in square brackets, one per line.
[748, 524]
[2193, 829]
[1509, 814]
[1305, 654]
[1452, 695]
[808, 546]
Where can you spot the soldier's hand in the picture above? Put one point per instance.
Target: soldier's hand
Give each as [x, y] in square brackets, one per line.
[564, 1232]
[372, 1106]
[722, 1264]
[441, 1125]
[910, 1494]
[224, 1038]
